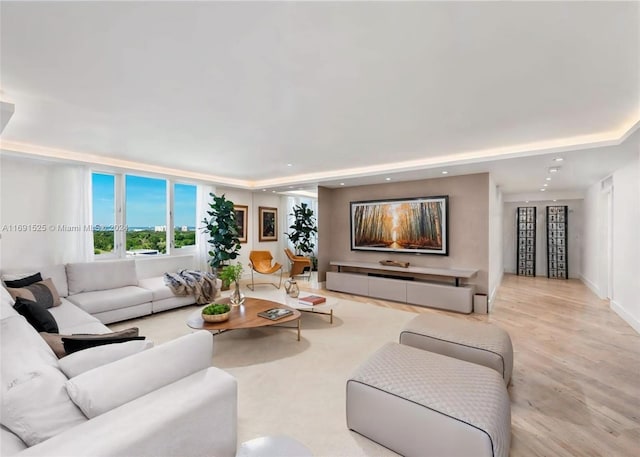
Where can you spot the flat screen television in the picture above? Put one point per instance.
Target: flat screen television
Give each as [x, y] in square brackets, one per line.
[408, 225]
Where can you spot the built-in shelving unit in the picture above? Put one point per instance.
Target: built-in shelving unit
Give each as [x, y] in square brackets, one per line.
[557, 256]
[526, 248]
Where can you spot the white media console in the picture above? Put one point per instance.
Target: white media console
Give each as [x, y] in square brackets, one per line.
[414, 285]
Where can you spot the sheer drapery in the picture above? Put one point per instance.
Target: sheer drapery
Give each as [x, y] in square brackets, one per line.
[202, 206]
[69, 227]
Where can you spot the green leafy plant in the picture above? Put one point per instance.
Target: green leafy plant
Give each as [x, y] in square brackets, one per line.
[216, 309]
[303, 231]
[230, 273]
[222, 229]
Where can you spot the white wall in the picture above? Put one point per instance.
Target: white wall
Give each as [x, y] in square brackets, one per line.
[626, 244]
[574, 245]
[254, 200]
[496, 239]
[590, 274]
[24, 190]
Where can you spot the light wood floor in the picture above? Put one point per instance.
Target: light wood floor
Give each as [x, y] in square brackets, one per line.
[575, 389]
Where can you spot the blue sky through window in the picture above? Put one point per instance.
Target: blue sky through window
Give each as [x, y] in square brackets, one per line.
[146, 204]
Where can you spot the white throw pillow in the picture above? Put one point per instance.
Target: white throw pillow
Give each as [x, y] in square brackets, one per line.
[37, 407]
[88, 359]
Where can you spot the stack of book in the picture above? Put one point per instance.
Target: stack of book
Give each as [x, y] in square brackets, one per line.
[311, 300]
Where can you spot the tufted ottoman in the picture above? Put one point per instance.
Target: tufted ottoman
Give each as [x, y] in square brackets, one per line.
[418, 403]
[477, 342]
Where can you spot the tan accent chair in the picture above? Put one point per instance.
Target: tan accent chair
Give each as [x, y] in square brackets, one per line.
[260, 262]
[298, 264]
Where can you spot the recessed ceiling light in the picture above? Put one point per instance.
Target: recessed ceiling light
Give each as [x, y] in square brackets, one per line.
[289, 165]
[445, 172]
[546, 185]
[264, 190]
[555, 200]
[543, 189]
[558, 159]
[527, 201]
[290, 187]
[342, 184]
[387, 179]
[554, 170]
[548, 178]
[273, 191]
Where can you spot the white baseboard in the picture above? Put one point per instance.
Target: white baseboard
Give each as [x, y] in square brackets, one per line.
[492, 294]
[591, 286]
[628, 318]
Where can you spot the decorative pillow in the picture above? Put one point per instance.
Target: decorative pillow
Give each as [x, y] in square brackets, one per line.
[23, 282]
[55, 340]
[81, 361]
[37, 406]
[74, 343]
[37, 315]
[43, 292]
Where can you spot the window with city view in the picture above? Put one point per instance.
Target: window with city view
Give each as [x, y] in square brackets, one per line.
[146, 215]
[147, 219]
[104, 213]
[184, 215]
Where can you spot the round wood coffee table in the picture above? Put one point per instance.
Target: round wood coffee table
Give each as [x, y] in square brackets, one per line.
[245, 316]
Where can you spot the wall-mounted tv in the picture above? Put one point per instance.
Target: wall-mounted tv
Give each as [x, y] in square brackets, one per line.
[408, 226]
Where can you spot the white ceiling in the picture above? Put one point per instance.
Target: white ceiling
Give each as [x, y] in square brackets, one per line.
[239, 90]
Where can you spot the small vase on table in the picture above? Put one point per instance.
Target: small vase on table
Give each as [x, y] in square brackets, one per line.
[237, 297]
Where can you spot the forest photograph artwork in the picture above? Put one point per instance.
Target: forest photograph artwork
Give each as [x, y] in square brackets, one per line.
[413, 226]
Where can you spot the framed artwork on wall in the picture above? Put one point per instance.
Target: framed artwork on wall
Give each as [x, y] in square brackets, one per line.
[526, 254]
[408, 225]
[242, 218]
[268, 230]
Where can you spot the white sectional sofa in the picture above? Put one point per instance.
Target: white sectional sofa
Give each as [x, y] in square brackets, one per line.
[117, 290]
[163, 401]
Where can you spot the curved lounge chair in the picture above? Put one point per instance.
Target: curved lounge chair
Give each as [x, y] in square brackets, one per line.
[298, 264]
[260, 262]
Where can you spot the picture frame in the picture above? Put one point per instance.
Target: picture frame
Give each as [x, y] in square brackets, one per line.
[268, 218]
[242, 219]
[403, 225]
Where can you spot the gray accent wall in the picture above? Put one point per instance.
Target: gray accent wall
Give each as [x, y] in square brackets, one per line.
[468, 223]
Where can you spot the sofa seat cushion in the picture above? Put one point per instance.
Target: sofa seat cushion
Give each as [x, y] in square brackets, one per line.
[101, 275]
[158, 288]
[72, 319]
[106, 300]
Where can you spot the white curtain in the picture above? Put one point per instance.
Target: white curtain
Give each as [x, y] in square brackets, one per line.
[69, 218]
[202, 206]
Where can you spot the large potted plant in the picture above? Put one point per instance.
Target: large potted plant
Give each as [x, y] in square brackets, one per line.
[222, 229]
[302, 232]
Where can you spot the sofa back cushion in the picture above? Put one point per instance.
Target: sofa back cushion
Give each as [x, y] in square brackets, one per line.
[37, 407]
[101, 275]
[57, 273]
[153, 267]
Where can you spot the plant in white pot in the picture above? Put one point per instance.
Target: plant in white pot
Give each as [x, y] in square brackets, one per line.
[303, 230]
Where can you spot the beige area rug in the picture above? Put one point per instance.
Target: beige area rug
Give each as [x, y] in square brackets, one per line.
[292, 388]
